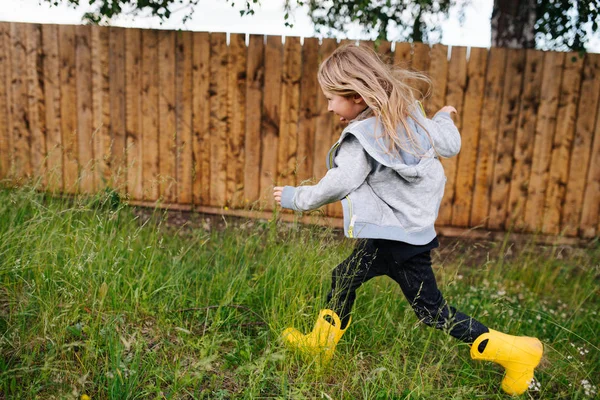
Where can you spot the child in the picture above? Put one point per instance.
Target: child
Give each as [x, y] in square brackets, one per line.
[385, 170]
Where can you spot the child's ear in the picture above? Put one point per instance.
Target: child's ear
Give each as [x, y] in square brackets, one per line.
[358, 99]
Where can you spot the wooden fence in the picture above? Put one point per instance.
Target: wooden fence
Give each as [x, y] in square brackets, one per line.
[212, 122]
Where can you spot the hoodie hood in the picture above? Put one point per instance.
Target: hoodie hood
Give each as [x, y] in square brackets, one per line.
[370, 133]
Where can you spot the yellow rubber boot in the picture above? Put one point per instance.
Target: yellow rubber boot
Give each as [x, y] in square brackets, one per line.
[519, 355]
[321, 341]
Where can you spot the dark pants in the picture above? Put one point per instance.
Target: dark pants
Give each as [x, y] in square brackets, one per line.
[376, 257]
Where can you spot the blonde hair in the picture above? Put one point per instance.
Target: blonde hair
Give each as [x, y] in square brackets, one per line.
[389, 91]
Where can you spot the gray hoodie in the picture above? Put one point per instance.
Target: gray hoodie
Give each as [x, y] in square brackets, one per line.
[385, 195]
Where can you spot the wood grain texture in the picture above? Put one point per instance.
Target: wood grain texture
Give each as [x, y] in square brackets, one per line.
[5, 130]
[201, 118]
[183, 110]
[133, 117]
[562, 143]
[457, 82]
[149, 115]
[488, 137]
[438, 73]
[68, 108]
[219, 124]
[523, 149]
[255, 74]
[421, 60]
[290, 107]
[167, 134]
[309, 93]
[590, 213]
[384, 49]
[51, 75]
[83, 61]
[467, 158]
[36, 104]
[544, 135]
[324, 136]
[21, 135]
[324, 133]
[101, 140]
[237, 120]
[503, 158]
[271, 117]
[116, 67]
[403, 54]
[582, 145]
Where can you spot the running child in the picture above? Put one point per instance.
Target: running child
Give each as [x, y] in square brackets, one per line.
[385, 169]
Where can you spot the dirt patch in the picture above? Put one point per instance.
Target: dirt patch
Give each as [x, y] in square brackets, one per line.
[474, 250]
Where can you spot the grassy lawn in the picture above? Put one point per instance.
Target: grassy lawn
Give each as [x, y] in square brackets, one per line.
[97, 298]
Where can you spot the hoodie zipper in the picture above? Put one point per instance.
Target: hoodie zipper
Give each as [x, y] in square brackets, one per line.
[331, 153]
[352, 219]
[350, 208]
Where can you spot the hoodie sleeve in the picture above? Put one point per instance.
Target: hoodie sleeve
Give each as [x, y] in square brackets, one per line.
[352, 166]
[443, 133]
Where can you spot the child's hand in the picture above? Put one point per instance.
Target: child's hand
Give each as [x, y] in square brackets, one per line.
[277, 190]
[448, 109]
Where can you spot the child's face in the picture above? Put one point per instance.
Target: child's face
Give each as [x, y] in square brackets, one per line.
[347, 108]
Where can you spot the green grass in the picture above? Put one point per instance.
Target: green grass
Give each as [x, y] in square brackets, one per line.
[98, 299]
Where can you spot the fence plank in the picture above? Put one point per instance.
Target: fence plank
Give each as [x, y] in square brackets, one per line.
[457, 82]
[438, 72]
[544, 134]
[488, 137]
[118, 161]
[290, 104]
[149, 115]
[309, 92]
[467, 158]
[36, 106]
[21, 134]
[51, 76]
[590, 211]
[254, 97]
[101, 141]
[403, 54]
[68, 107]
[325, 122]
[582, 144]
[183, 102]
[324, 126]
[133, 110]
[384, 49]
[5, 146]
[523, 153]
[218, 118]
[563, 139]
[237, 118]
[84, 108]
[201, 118]
[270, 118]
[420, 62]
[503, 158]
[167, 131]
[367, 43]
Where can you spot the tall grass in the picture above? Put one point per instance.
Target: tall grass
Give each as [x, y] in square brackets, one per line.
[101, 300]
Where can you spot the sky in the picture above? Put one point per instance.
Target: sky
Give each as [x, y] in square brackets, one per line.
[220, 16]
